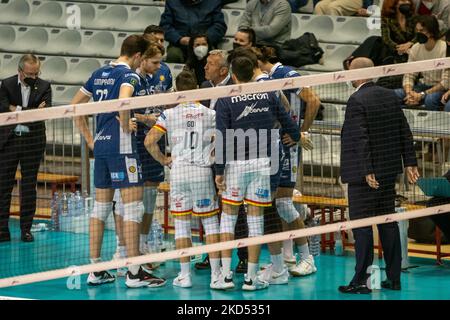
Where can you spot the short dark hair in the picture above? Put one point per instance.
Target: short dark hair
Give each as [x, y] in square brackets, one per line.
[251, 34]
[431, 24]
[133, 44]
[242, 68]
[243, 52]
[267, 53]
[153, 29]
[186, 80]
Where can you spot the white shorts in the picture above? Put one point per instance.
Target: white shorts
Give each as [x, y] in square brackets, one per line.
[248, 181]
[192, 191]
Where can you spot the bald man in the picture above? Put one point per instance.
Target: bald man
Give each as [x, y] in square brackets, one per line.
[375, 143]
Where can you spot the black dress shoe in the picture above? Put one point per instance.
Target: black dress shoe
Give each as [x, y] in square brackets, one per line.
[391, 284]
[5, 236]
[355, 289]
[242, 266]
[204, 264]
[27, 236]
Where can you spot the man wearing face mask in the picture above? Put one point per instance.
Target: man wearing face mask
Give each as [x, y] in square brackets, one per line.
[183, 18]
[270, 19]
[23, 143]
[437, 8]
[429, 89]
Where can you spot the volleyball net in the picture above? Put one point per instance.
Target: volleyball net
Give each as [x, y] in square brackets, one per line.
[247, 172]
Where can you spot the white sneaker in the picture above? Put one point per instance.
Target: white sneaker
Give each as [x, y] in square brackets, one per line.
[304, 267]
[222, 282]
[272, 277]
[290, 263]
[120, 272]
[143, 279]
[254, 284]
[99, 278]
[183, 281]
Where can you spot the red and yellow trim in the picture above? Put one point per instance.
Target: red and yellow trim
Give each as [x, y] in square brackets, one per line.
[231, 202]
[160, 128]
[206, 214]
[258, 204]
[181, 213]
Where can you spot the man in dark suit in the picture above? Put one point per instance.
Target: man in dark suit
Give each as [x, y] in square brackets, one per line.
[24, 143]
[375, 143]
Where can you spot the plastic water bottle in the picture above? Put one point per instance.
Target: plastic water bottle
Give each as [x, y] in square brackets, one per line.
[338, 247]
[79, 204]
[71, 203]
[54, 207]
[64, 205]
[314, 241]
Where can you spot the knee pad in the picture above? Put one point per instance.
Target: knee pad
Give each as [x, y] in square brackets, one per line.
[133, 211]
[211, 225]
[101, 210]
[182, 228]
[255, 226]
[228, 223]
[286, 209]
[149, 201]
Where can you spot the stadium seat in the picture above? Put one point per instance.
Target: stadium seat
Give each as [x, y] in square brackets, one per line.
[46, 13]
[175, 69]
[9, 63]
[410, 117]
[30, 39]
[326, 151]
[141, 17]
[101, 42]
[64, 42]
[321, 26]
[110, 17]
[352, 30]
[239, 5]
[12, 11]
[232, 19]
[8, 36]
[334, 92]
[62, 94]
[334, 55]
[334, 113]
[55, 69]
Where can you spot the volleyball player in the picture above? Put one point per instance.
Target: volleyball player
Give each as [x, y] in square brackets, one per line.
[190, 129]
[117, 164]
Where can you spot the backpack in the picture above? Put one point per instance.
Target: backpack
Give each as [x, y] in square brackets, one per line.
[301, 51]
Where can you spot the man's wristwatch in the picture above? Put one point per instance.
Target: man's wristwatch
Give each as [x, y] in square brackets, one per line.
[422, 95]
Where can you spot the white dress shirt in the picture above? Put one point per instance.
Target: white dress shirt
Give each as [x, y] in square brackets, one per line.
[25, 90]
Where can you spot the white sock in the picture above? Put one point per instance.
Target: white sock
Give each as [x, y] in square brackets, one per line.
[288, 250]
[277, 262]
[252, 270]
[303, 251]
[122, 251]
[96, 260]
[134, 269]
[185, 268]
[226, 265]
[117, 240]
[215, 265]
[142, 239]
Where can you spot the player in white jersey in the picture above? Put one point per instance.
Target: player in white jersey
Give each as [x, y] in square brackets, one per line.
[190, 128]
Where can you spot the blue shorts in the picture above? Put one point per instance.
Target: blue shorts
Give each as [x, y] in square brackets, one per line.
[286, 177]
[152, 170]
[117, 172]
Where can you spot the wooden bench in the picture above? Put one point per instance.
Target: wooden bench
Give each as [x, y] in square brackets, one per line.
[54, 180]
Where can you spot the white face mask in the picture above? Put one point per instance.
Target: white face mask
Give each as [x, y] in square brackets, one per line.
[428, 4]
[201, 52]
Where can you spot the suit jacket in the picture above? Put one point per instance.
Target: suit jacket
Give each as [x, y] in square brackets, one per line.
[10, 94]
[375, 138]
[208, 84]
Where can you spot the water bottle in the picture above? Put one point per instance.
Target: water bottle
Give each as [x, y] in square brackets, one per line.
[87, 202]
[71, 203]
[54, 207]
[64, 205]
[152, 244]
[314, 241]
[79, 204]
[338, 247]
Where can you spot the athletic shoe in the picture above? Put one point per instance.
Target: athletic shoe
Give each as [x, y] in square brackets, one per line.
[99, 278]
[183, 281]
[223, 282]
[254, 284]
[304, 267]
[272, 277]
[120, 272]
[143, 279]
[290, 263]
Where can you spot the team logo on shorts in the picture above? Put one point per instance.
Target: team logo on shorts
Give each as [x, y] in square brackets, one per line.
[203, 203]
[132, 169]
[117, 176]
[262, 193]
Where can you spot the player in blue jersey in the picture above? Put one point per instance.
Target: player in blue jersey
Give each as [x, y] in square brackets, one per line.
[291, 218]
[245, 129]
[117, 163]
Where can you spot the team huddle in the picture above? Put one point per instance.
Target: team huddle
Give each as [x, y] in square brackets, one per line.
[244, 148]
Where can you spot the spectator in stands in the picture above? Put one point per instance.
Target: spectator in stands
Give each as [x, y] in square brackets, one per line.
[154, 34]
[432, 85]
[197, 55]
[343, 7]
[244, 37]
[23, 143]
[445, 98]
[297, 4]
[271, 20]
[437, 8]
[182, 19]
[397, 29]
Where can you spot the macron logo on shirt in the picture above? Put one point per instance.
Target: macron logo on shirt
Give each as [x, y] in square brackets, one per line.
[251, 109]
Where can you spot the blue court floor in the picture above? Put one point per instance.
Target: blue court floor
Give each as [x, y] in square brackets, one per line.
[53, 250]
